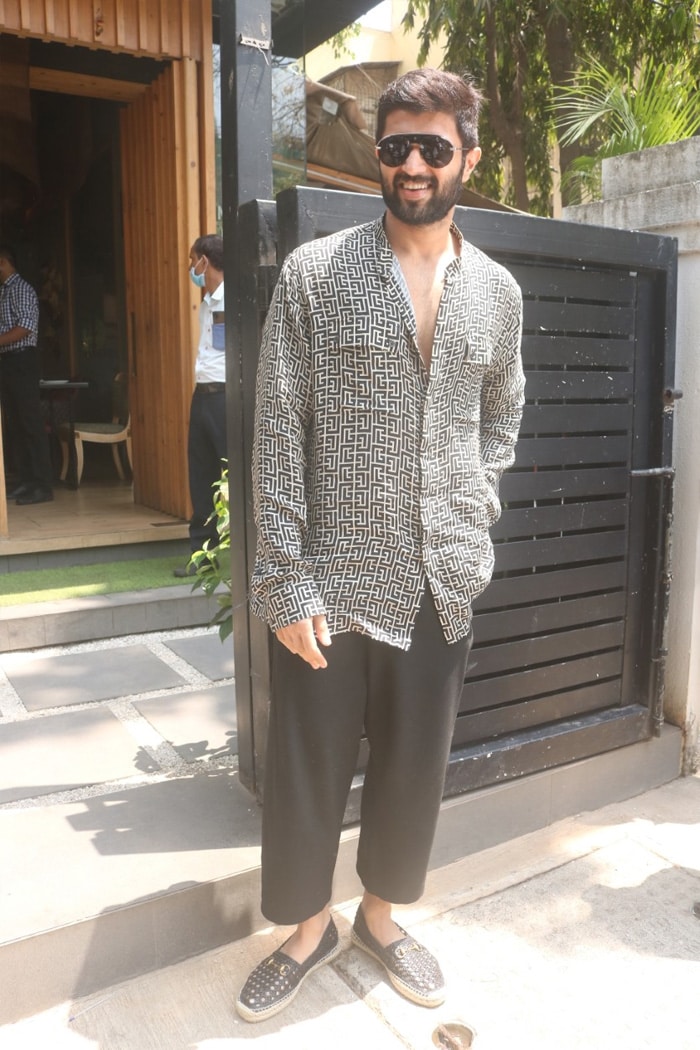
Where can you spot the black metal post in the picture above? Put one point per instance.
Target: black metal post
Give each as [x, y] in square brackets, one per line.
[246, 151]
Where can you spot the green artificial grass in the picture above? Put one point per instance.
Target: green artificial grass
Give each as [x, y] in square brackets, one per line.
[48, 585]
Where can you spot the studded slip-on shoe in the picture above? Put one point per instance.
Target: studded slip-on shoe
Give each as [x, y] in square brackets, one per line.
[276, 980]
[412, 970]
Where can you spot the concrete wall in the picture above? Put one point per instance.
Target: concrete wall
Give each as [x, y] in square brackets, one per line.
[658, 190]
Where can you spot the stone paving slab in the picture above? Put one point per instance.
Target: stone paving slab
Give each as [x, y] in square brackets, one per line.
[75, 620]
[85, 677]
[586, 942]
[200, 724]
[111, 850]
[207, 653]
[60, 752]
[578, 937]
[190, 1007]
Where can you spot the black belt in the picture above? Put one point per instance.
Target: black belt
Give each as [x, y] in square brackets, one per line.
[211, 388]
[17, 349]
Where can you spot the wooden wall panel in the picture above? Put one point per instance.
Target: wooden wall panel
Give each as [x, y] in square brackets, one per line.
[207, 136]
[164, 193]
[155, 28]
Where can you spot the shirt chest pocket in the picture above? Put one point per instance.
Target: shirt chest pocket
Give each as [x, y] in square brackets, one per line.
[218, 331]
[470, 380]
[367, 376]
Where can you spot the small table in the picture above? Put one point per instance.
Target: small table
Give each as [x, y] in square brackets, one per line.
[60, 395]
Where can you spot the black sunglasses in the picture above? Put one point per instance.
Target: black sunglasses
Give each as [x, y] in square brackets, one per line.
[435, 151]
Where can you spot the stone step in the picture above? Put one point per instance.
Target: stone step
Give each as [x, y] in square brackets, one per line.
[74, 620]
[113, 884]
[128, 840]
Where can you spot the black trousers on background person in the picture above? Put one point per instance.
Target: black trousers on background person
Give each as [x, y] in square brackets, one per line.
[406, 702]
[24, 424]
[206, 448]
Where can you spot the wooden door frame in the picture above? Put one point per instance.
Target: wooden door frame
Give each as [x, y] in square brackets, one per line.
[196, 112]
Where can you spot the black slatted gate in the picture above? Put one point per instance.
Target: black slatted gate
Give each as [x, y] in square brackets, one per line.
[569, 637]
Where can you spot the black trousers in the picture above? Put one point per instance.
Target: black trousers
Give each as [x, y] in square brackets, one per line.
[19, 382]
[206, 448]
[406, 702]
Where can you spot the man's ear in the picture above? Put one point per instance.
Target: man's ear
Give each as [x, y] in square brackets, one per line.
[471, 159]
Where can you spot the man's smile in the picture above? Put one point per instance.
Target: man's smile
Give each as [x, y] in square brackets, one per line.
[408, 184]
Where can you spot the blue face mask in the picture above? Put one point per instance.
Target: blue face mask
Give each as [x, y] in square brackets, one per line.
[197, 278]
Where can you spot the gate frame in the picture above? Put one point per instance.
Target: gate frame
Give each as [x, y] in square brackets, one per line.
[305, 213]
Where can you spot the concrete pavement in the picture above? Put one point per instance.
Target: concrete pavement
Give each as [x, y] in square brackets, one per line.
[129, 844]
[579, 936]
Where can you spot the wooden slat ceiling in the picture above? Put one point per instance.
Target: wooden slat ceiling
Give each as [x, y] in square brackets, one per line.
[164, 29]
[297, 27]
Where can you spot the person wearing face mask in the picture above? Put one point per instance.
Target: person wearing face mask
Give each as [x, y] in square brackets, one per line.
[206, 441]
[19, 383]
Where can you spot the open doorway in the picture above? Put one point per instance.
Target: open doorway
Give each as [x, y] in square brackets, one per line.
[111, 180]
[75, 240]
[60, 211]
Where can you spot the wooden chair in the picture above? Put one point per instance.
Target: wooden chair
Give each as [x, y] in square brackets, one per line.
[116, 433]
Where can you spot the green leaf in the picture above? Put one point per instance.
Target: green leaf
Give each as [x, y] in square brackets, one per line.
[213, 563]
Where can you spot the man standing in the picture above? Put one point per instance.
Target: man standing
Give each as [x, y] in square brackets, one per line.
[206, 442]
[389, 398]
[20, 373]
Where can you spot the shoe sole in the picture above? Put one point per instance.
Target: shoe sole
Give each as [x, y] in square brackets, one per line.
[262, 1015]
[399, 985]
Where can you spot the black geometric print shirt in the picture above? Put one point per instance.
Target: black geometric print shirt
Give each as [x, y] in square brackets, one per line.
[371, 475]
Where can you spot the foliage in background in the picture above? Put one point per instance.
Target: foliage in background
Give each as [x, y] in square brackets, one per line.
[213, 563]
[660, 104]
[339, 43]
[520, 52]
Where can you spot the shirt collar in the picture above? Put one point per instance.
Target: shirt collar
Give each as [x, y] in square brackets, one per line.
[215, 296]
[385, 254]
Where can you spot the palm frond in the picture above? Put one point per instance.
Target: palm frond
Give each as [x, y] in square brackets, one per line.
[658, 105]
[654, 106]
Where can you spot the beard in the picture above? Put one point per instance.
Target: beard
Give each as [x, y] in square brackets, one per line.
[422, 213]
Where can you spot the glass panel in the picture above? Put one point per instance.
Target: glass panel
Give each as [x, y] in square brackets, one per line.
[288, 124]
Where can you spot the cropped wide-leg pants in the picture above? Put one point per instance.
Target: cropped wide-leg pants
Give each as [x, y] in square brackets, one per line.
[406, 703]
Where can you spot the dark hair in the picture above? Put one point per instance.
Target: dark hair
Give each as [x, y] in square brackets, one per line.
[434, 91]
[6, 252]
[212, 246]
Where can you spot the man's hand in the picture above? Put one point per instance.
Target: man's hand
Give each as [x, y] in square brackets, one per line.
[302, 639]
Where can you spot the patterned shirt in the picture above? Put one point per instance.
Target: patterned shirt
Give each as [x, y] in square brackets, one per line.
[371, 475]
[19, 308]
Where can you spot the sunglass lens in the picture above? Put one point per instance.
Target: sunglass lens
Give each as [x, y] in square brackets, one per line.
[394, 149]
[437, 152]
